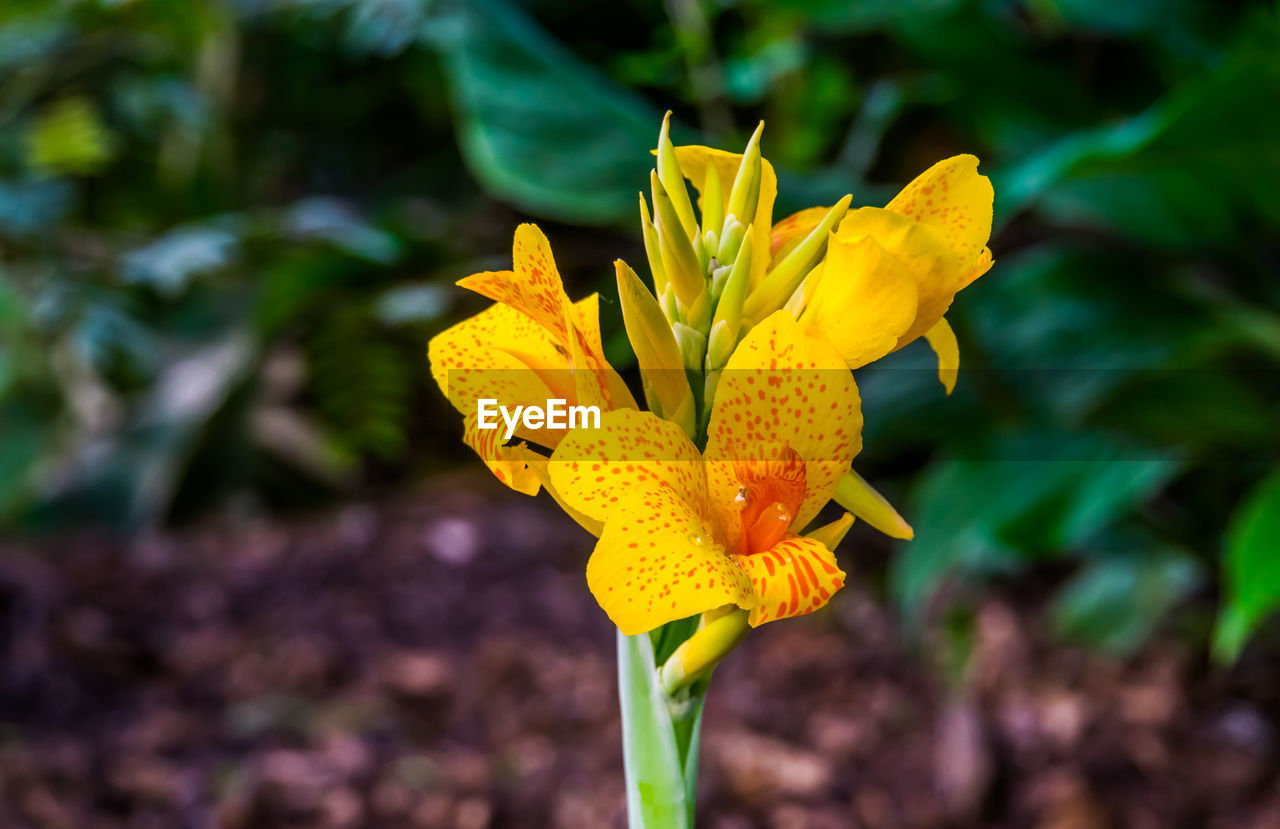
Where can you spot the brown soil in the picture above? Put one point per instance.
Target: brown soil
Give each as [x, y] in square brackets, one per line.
[440, 663]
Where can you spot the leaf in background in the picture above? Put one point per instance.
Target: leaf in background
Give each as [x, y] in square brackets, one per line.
[1115, 602]
[1034, 496]
[406, 304]
[29, 207]
[169, 263]
[1199, 167]
[362, 383]
[540, 127]
[69, 137]
[29, 432]
[334, 221]
[1251, 569]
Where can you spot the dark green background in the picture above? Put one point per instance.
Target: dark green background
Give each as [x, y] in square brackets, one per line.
[228, 229]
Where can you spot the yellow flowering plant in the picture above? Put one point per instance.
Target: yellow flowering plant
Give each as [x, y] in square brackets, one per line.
[746, 338]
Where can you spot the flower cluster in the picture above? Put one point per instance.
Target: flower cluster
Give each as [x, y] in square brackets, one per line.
[746, 338]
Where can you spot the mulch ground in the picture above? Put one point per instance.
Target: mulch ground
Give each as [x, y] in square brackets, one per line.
[438, 661]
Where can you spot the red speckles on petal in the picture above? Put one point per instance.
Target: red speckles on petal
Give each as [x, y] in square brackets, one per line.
[799, 575]
[812, 376]
[685, 571]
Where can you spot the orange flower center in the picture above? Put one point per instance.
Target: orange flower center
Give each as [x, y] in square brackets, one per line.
[769, 497]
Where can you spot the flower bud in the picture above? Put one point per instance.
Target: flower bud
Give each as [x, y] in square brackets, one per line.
[679, 261]
[651, 249]
[745, 194]
[830, 535]
[861, 499]
[712, 204]
[727, 323]
[693, 345]
[661, 363]
[730, 240]
[787, 275]
[672, 178]
[701, 652]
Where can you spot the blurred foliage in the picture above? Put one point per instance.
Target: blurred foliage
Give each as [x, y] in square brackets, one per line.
[228, 228]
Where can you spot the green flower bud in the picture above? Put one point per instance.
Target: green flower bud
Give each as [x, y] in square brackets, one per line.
[772, 293]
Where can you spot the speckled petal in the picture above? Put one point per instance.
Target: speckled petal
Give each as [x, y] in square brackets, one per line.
[533, 287]
[796, 576]
[502, 355]
[784, 385]
[503, 461]
[594, 469]
[586, 319]
[656, 561]
[955, 198]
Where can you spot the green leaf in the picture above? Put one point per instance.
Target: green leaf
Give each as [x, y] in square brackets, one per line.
[1115, 602]
[540, 127]
[69, 137]
[1036, 496]
[1251, 569]
[1197, 167]
[659, 739]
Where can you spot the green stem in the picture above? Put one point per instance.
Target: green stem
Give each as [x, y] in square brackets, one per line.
[659, 740]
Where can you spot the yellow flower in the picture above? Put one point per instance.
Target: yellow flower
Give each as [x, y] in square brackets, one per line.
[531, 346]
[891, 273]
[687, 532]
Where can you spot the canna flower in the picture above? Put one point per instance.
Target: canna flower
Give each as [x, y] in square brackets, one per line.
[891, 273]
[532, 345]
[686, 532]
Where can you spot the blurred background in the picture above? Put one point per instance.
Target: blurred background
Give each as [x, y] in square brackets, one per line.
[251, 577]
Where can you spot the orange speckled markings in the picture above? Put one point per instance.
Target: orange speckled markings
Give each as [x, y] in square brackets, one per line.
[532, 346]
[686, 533]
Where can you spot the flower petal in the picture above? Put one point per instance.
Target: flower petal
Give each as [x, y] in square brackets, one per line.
[943, 341]
[594, 469]
[540, 466]
[953, 197]
[784, 386]
[863, 301]
[656, 562]
[695, 159]
[923, 249]
[503, 461]
[599, 384]
[534, 286]
[797, 576]
[499, 354]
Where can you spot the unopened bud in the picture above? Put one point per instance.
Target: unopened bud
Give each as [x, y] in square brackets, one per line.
[661, 362]
[693, 345]
[830, 535]
[742, 202]
[730, 239]
[728, 317]
[860, 498]
[652, 251]
[702, 651]
[786, 276]
[679, 262]
[712, 202]
[672, 178]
